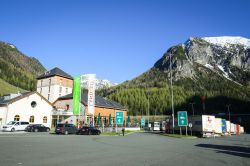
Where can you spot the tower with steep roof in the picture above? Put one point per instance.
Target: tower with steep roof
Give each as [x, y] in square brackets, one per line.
[54, 84]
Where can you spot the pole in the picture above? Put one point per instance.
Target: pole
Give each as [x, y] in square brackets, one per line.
[172, 96]
[148, 110]
[192, 104]
[80, 108]
[229, 117]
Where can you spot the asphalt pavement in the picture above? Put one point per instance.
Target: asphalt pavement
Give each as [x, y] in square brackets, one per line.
[146, 149]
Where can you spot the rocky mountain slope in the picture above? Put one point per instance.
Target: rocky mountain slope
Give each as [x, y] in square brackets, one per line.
[216, 68]
[100, 84]
[18, 69]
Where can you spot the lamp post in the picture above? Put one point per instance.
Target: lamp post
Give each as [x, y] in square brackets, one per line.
[148, 109]
[192, 104]
[172, 95]
[229, 116]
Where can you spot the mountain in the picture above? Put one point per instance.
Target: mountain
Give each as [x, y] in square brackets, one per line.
[100, 84]
[18, 69]
[211, 72]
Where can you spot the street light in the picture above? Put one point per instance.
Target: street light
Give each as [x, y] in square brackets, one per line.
[192, 104]
[148, 108]
[172, 95]
[229, 116]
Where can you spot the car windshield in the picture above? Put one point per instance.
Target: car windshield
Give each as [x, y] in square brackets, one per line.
[11, 123]
[60, 125]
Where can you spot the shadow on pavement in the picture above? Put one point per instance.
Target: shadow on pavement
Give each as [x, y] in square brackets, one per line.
[231, 150]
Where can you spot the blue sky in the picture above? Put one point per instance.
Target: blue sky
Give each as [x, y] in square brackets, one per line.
[116, 39]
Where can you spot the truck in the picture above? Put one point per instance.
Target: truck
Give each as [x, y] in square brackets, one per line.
[242, 129]
[218, 127]
[202, 125]
[228, 124]
[233, 128]
[224, 126]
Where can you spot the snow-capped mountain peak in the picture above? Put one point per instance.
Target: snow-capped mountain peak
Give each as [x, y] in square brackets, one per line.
[226, 41]
[99, 84]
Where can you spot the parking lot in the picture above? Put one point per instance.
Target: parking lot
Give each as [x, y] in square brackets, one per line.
[44, 149]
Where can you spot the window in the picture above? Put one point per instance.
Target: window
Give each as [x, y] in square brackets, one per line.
[41, 90]
[66, 91]
[32, 119]
[67, 107]
[33, 104]
[16, 118]
[60, 89]
[60, 83]
[45, 119]
[49, 84]
[41, 83]
[48, 96]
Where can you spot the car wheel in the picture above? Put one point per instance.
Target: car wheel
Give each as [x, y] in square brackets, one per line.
[47, 130]
[66, 132]
[36, 130]
[13, 129]
[90, 133]
[98, 133]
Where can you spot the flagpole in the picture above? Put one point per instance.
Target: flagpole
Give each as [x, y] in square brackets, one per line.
[79, 106]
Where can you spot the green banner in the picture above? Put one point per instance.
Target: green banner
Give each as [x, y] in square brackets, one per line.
[77, 95]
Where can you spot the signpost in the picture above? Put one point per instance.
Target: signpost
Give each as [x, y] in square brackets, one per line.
[119, 118]
[182, 120]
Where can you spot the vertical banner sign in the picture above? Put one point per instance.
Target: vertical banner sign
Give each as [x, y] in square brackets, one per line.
[76, 95]
[91, 93]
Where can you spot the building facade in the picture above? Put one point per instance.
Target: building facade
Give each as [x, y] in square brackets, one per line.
[54, 84]
[31, 107]
[107, 109]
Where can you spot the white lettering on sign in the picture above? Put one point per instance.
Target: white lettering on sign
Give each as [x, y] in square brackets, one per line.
[91, 93]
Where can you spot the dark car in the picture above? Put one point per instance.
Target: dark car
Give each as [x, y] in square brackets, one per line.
[37, 128]
[65, 128]
[88, 131]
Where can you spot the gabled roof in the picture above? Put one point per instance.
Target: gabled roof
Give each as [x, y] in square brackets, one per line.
[23, 95]
[99, 101]
[55, 72]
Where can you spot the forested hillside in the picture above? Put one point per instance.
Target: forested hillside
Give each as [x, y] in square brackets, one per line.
[17, 69]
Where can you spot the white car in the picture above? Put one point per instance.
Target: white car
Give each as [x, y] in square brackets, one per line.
[15, 126]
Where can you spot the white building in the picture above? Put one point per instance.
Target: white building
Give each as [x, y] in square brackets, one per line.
[54, 84]
[31, 107]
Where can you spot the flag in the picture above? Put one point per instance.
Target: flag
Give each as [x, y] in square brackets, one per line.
[77, 95]
[91, 93]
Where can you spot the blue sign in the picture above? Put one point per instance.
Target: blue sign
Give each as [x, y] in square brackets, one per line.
[142, 121]
[224, 125]
[119, 118]
[182, 118]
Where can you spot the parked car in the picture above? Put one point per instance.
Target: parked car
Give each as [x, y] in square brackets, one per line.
[88, 131]
[65, 128]
[15, 126]
[37, 128]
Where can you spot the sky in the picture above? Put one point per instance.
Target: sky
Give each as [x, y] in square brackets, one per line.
[116, 39]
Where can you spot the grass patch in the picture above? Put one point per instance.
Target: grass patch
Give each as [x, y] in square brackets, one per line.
[178, 136]
[117, 133]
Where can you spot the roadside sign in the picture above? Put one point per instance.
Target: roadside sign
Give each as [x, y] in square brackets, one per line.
[190, 125]
[142, 121]
[182, 118]
[119, 118]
